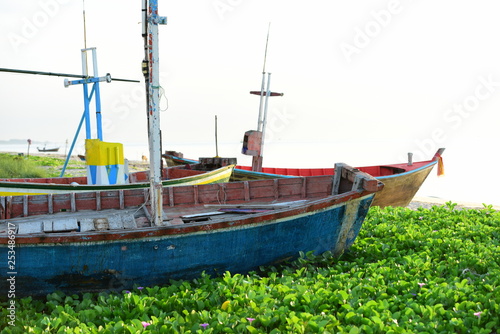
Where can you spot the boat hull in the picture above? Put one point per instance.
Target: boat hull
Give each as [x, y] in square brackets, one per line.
[10, 188]
[399, 189]
[401, 181]
[56, 149]
[149, 257]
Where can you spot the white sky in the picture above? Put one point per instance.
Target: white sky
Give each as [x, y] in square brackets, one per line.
[377, 78]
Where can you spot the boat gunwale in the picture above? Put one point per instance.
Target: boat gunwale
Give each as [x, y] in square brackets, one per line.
[315, 204]
[415, 166]
[89, 187]
[428, 164]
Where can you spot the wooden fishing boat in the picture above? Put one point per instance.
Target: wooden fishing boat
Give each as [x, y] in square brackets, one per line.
[44, 149]
[402, 181]
[81, 242]
[173, 176]
[119, 238]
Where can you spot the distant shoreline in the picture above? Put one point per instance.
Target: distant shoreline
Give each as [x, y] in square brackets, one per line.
[54, 155]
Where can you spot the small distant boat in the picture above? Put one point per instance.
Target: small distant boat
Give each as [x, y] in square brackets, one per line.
[45, 149]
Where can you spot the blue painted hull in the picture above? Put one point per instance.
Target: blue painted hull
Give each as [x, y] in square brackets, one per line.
[114, 265]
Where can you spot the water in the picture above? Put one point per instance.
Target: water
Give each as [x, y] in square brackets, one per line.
[467, 164]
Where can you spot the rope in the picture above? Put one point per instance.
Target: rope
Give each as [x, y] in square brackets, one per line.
[162, 94]
[222, 189]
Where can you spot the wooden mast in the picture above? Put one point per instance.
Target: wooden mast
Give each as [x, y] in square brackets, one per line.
[151, 20]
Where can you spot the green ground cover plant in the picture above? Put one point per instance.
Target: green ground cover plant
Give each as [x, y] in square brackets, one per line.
[13, 166]
[425, 271]
[16, 166]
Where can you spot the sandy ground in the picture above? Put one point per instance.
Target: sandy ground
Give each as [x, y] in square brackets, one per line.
[428, 202]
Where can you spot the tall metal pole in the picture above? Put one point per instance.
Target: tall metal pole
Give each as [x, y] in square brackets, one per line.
[264, 120]
[86, 101]
[216, 141]
[151, 73]
[97, 97]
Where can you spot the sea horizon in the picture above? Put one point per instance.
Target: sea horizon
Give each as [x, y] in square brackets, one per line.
[450, 187]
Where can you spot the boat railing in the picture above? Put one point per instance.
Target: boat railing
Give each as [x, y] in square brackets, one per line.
[347, 178]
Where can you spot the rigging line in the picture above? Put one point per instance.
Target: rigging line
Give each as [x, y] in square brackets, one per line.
[11, 70]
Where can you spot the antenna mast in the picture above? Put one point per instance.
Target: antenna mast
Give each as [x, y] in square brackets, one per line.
[253, 142]
[84, 28]
[260, 120]
[85, 34]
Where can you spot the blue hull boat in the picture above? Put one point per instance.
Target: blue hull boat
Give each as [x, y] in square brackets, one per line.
[59, 242]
